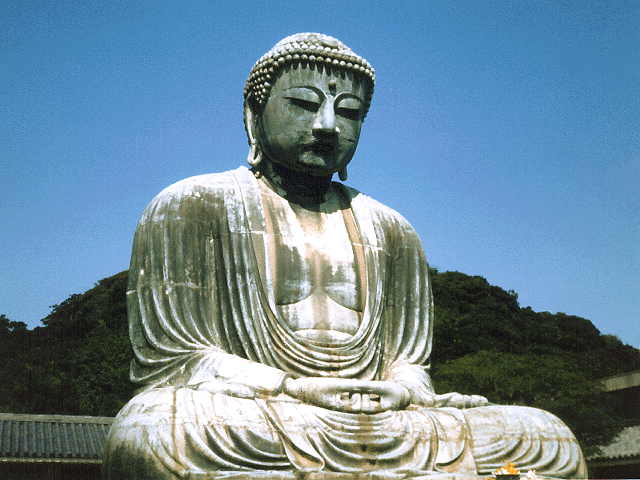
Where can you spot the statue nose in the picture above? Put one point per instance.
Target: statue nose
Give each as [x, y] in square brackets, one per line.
[326, 120]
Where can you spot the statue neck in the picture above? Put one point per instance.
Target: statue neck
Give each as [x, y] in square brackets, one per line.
[294, 186]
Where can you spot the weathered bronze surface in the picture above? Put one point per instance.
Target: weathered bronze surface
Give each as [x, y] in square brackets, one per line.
[282, 322]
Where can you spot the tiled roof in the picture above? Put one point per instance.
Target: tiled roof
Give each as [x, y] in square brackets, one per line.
[626, 444]
[51, 437]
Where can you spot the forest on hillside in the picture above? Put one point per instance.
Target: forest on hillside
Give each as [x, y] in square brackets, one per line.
[77, 363]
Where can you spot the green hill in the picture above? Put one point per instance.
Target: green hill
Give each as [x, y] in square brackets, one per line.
[77, 363]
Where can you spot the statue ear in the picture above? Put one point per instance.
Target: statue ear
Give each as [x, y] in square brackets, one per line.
[250, 125]
[249, 121]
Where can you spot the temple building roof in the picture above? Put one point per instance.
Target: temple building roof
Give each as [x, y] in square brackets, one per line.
[29, 438]
[623, 447]
[621, 382]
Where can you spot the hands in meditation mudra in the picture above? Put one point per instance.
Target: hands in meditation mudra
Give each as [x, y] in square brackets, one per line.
[281, 322]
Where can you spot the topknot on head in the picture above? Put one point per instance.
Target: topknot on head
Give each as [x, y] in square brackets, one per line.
[305, 47]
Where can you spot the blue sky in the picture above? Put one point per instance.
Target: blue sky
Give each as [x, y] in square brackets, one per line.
[507, 133]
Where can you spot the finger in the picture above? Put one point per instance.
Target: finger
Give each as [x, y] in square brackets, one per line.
[343, 398]
[405, 398]
[424, 400]
[449, 395]
[457, 401]
[445, 399]
[388, 403]
[365, 402]
[341, 402]
[355, 403]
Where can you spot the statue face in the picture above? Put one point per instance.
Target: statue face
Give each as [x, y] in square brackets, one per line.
[311, 121]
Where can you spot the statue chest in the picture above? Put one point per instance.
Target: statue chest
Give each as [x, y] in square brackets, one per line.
[316, 267]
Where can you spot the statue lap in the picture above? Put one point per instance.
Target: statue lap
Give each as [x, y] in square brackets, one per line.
[184, 433]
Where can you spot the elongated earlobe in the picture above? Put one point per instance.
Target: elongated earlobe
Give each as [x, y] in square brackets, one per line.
[255, 155]
[255, 152]
[342, 174]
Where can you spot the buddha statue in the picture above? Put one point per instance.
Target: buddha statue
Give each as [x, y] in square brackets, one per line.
[281, 322]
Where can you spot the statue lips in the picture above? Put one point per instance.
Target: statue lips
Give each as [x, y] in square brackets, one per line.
[323, 148]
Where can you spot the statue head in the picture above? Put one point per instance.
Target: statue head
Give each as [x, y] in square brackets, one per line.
[305, 101]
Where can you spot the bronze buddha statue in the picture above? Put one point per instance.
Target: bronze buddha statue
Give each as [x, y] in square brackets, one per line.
[282, 322]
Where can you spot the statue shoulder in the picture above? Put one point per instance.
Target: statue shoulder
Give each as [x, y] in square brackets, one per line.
[199, 185]
[193, 193]
[387, 216]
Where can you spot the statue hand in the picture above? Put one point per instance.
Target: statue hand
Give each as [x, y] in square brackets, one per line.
[457, 400]
[347, 395]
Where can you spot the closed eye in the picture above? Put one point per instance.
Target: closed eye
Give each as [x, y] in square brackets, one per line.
[349, 113]
[305, 104]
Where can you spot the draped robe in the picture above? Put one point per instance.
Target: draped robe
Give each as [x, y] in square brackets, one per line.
[212, 353]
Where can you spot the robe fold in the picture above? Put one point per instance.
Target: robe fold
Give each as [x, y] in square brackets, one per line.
[212, 353]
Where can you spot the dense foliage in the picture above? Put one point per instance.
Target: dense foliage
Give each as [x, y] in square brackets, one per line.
[485, 343]
[78, 363]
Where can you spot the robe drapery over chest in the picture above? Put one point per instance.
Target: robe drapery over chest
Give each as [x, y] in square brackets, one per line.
[201, 300]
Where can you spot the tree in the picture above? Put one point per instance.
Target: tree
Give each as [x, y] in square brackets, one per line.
[76, 364]
[102, 383]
